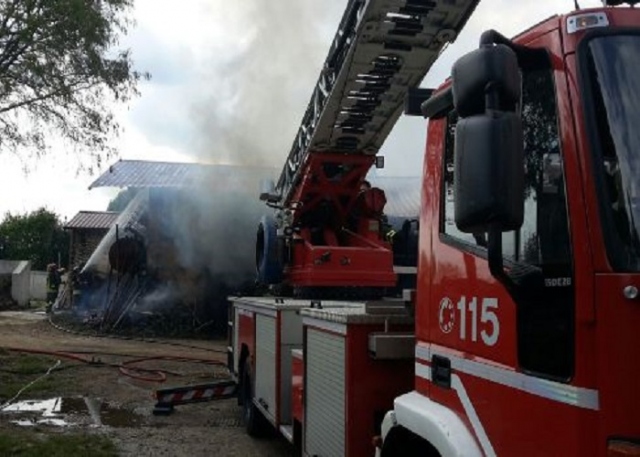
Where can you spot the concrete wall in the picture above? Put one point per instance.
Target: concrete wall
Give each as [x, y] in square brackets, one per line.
[38, 285]
[21, 283]
[20, 271]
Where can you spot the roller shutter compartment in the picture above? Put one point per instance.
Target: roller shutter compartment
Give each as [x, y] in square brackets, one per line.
[325, 394]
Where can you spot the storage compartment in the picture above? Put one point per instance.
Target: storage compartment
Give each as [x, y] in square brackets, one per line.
[325, 394]
[265, 389]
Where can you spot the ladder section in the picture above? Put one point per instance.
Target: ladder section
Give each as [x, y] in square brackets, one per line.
[381, 48]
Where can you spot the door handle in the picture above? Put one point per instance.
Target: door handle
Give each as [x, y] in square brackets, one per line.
[441, 371]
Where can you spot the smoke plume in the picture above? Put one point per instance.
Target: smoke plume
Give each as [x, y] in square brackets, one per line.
[252, 104]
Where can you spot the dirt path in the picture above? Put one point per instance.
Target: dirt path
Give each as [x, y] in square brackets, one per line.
[122, 405]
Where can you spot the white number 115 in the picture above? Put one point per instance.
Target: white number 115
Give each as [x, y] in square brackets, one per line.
[489, 323]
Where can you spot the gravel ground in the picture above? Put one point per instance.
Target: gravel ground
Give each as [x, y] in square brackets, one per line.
[126, 404]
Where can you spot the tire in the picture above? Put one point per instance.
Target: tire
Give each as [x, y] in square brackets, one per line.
[241, 375]
[269, 265]
[254, 422]
[401, 441]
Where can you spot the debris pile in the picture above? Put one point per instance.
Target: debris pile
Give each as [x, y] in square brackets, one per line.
[166, 267]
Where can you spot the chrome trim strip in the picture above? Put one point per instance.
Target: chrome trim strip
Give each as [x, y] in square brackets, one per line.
[423, 371]
[552, 390]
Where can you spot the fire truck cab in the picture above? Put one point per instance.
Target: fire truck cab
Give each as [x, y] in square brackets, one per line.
[527, 304]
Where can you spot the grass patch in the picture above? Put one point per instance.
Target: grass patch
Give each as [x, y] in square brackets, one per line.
[27, 364]
[22, 444]
[17, 370]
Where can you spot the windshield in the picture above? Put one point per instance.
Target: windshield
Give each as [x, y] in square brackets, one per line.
[614, 75]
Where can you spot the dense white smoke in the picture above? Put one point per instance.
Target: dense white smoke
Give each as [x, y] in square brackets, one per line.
[252, 105]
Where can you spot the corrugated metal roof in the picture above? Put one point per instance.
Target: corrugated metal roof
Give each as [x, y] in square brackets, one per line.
[403, 193]
[92, 220]
[145, 174]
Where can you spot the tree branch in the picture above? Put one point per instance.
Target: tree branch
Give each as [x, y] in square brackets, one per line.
[57, 66]
[43, 97]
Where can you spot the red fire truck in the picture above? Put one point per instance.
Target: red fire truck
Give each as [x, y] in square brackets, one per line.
[520, 335]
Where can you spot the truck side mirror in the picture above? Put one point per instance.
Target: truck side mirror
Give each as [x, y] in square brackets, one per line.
[489, 173]
[489, 157]
[489, 148]
[491, 70]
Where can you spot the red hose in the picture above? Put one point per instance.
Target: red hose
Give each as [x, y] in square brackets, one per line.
[132, 372]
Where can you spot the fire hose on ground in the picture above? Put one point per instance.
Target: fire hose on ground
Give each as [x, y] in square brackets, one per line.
[159, 375]
[125, 368]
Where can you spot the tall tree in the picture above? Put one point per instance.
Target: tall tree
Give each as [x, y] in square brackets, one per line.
[61, 71]
[37, 236]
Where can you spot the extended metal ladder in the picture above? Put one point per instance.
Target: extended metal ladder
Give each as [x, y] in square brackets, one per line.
[382, 48]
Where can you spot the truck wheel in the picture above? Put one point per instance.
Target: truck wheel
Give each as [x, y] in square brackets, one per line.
[268, 260]
[254, 422]
[401, 441]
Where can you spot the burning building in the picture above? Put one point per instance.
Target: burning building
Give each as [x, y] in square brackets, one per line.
[177, 250]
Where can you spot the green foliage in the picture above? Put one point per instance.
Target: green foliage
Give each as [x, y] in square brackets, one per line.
[60, 69]
[124, 197]
[24, 444]
[37, 236]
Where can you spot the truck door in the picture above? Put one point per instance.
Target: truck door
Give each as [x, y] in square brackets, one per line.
[609, 64]
[510, 355]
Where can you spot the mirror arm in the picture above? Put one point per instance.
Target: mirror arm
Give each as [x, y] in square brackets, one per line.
[491, 37]
[494, 251]
[520, 278]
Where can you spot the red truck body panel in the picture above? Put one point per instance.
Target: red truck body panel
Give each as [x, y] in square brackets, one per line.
[247, 334]
[371, 387]
[521, 414]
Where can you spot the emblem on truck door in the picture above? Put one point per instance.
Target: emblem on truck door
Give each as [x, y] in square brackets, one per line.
[476, 323]
[447, 315]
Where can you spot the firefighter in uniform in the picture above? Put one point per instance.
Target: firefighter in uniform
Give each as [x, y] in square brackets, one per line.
[53, 284]
[386, 229]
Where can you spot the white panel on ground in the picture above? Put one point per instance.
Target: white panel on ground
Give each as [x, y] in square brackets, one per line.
[266, 363]
[325, 394]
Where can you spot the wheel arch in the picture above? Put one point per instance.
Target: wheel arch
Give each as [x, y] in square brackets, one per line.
[434, 423]
[244, 356]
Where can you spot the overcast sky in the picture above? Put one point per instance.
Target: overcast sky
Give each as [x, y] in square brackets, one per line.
[231, 80]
